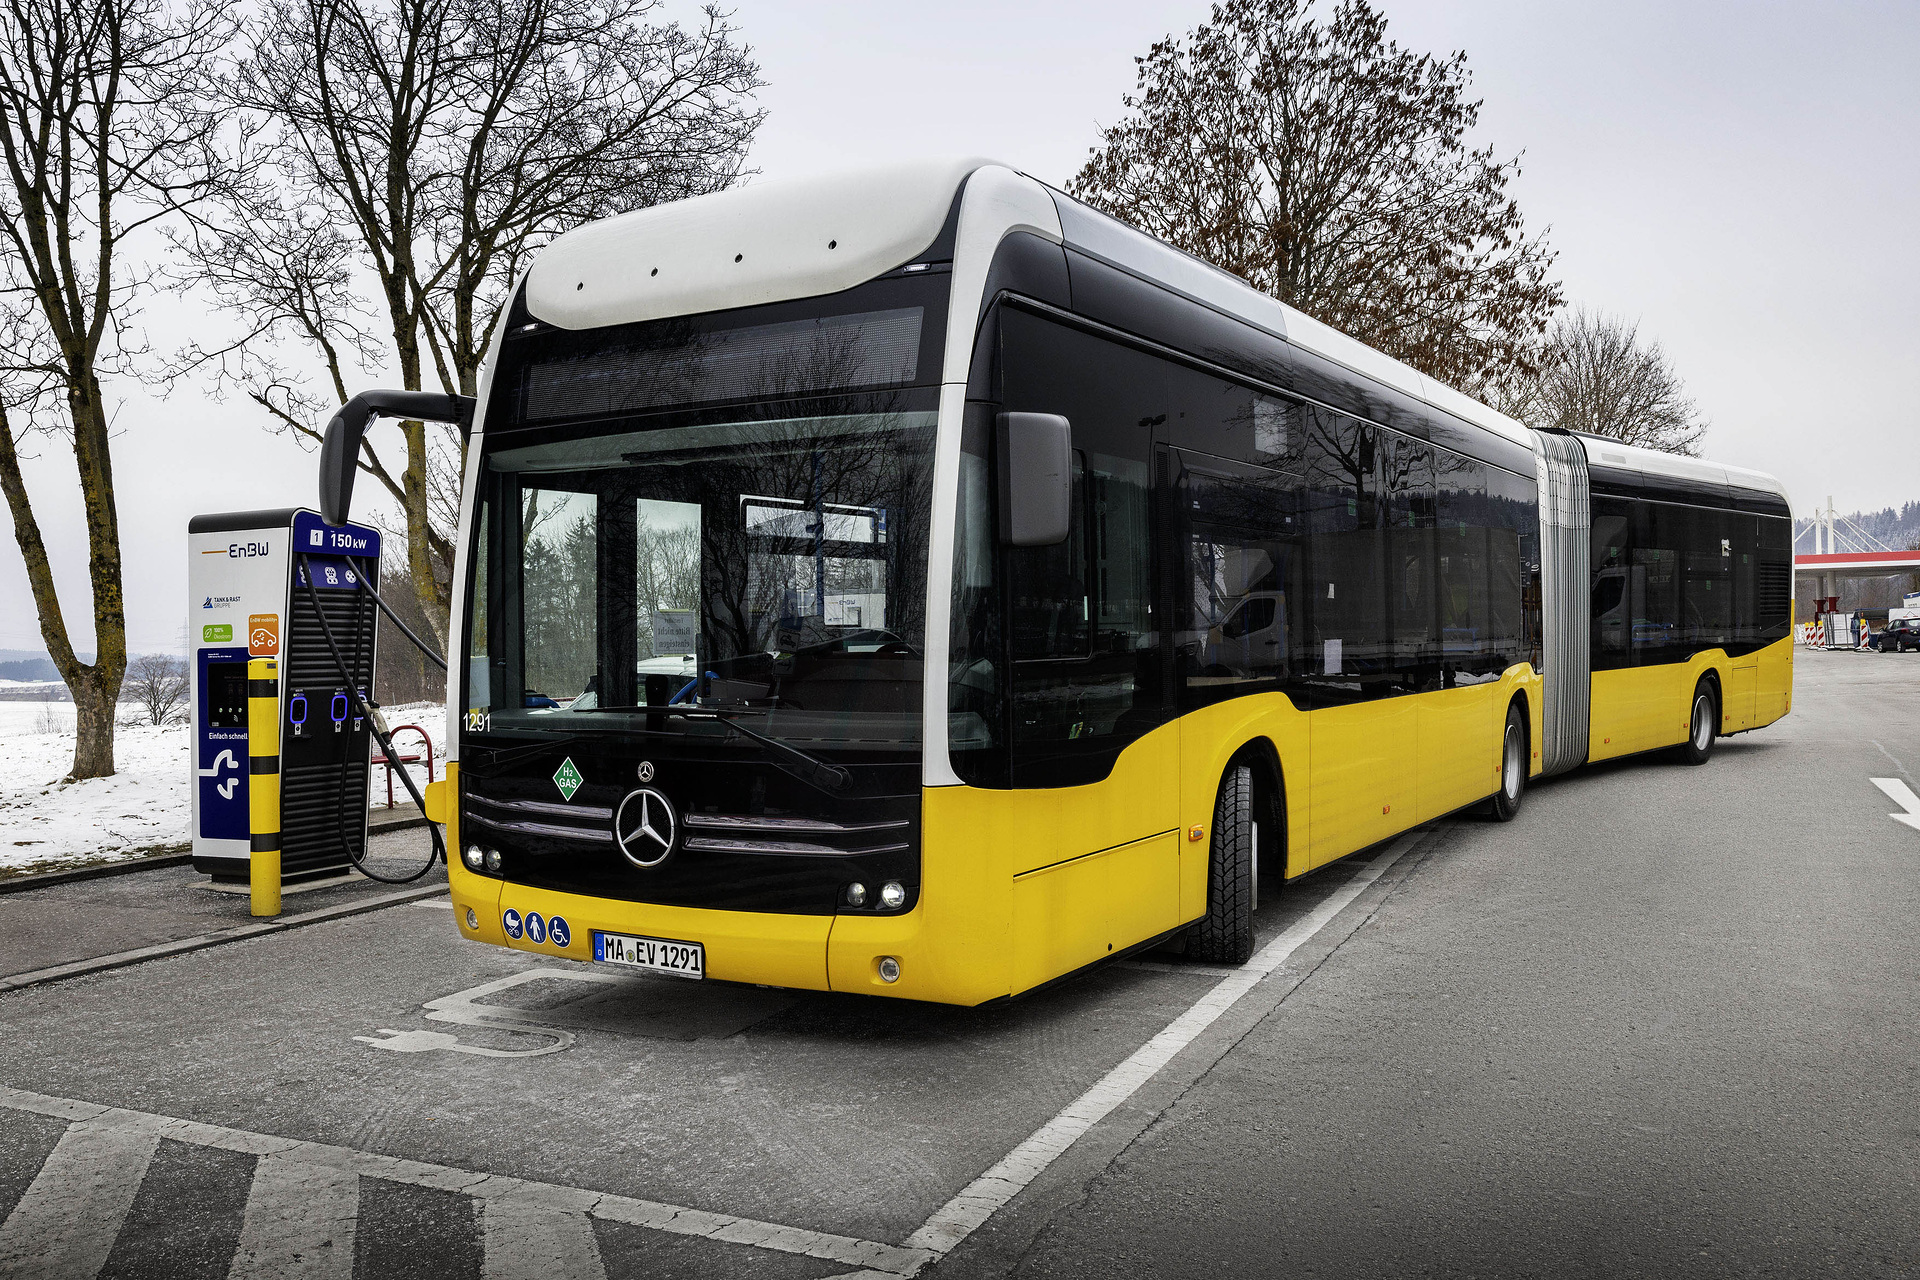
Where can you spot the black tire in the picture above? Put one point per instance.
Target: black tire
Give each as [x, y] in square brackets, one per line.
[1703, 724]
[1514, 761]
[1225, 934]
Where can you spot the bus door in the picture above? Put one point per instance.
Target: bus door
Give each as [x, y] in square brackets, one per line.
[1095, 765]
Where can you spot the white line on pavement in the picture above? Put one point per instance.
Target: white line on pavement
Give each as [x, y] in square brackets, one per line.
[528, 1240]
[1901, 794]
[966, 1212]
[67, 1221]
[300, 1222]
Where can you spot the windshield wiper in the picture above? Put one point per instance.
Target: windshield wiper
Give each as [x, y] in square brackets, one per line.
[821, 773]
[498, 756]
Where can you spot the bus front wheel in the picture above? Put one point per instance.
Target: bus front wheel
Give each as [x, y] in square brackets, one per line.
[1225, 934]
[1703, 725]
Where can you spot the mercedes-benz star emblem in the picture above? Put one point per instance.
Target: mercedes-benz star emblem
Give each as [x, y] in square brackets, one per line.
[646, 771]
[645, 827]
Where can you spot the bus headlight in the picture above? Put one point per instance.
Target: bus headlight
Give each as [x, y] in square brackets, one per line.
[856, 894]
[889, 969]
[891, 896]
[493, 861]
[472, 857]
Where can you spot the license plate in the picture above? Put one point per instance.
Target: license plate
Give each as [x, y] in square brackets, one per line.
[662, 955]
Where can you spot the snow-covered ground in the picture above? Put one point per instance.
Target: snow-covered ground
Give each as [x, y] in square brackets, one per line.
[146, 805]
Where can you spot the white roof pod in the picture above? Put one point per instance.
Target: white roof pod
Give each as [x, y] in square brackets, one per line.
[1653, 462]
[763, 242]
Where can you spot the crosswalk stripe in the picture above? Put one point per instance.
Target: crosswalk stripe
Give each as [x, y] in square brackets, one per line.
[530, 1241]
[300, 1222]
[66, 1223]
[651, 1214]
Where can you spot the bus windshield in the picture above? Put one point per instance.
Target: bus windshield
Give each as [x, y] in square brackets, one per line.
[773, 567]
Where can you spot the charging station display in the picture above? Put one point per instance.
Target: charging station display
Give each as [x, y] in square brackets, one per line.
[250, 598]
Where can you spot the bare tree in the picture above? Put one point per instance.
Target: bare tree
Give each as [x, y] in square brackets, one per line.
[157, 685]
[1330, 168]
[1596, 375]
[102, 133]
[431, 146]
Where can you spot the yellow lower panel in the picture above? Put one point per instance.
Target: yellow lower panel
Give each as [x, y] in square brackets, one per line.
[1070, 915]
[1646, 708]
[1736, 703]
[1459, 747]
[1362, 783]
[1773, 683]
[741, 946]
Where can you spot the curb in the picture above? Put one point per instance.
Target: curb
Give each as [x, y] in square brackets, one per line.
[171, 855]
[175, 856]
[201, 942]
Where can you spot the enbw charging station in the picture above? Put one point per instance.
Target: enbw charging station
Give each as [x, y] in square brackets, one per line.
[293, 804]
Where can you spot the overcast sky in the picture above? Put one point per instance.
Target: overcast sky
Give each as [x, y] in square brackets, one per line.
[1742, 179]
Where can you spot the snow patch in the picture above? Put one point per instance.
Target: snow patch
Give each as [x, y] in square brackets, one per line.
[145, 806]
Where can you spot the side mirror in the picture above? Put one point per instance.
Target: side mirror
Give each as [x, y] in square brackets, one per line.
[340, 451]
[1036, 478]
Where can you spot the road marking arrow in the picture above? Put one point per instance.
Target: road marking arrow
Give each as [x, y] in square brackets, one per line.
[1901, 794]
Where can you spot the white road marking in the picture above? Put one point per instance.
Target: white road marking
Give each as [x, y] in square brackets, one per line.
[992, 1190]
[300, 1223]
[1901, 794]
[460, 1008]
[67, 1221]
[677, 1219]
[528, 1240]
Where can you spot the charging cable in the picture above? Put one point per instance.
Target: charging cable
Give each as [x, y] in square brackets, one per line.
[378, 724]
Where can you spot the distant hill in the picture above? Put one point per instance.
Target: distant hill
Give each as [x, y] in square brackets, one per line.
[1899, 529]
[29, 669]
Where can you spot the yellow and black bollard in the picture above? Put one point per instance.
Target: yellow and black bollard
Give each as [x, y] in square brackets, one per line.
[263, 783]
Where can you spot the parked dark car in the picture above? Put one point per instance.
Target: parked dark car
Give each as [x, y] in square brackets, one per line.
[1898, 636]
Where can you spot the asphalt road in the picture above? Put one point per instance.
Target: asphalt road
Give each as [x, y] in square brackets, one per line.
[1662, 1024]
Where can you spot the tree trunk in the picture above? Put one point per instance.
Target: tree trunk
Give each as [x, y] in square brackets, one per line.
[96, 688]
[94, 703]
[426, 587]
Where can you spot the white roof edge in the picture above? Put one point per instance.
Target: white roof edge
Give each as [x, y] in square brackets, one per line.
[763, 242]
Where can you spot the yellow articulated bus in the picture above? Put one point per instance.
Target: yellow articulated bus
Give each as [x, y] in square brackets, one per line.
[917, 583]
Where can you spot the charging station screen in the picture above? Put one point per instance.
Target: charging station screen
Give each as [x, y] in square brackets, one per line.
[227, 695]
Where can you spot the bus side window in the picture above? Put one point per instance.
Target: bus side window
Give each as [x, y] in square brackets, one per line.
[1242, 589]
[1412, 594]
[1350, 655]
[1610, 563]
[1460, 547]
[1513, 562]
